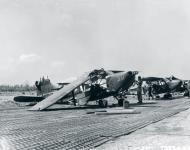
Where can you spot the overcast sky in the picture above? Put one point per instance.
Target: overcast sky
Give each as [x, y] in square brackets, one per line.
[65, 38]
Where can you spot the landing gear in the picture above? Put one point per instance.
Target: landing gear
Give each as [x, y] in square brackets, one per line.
[103, 103]
[186, 93]
[126, 104]
[120, 102]
[168, 96]
[157, 97]
[74, 100]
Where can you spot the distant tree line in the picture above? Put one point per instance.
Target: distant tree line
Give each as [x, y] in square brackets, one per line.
[17, 88]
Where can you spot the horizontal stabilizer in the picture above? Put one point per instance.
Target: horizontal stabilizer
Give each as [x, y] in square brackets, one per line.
[52, 99]
[28, 98]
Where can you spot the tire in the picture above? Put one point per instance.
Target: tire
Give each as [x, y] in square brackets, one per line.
[157, 97]
[186, 93]
[120, 102]
[126, 104]
[103, 103]
[168, 96]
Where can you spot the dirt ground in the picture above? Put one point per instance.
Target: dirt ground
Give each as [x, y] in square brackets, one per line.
[69, 127]
[169, 134]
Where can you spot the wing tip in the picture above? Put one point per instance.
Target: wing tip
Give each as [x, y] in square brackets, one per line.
[35, 109]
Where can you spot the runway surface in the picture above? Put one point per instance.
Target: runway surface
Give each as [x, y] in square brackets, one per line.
[72, 128]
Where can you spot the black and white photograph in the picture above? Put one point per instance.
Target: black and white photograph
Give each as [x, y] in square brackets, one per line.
[94, 75]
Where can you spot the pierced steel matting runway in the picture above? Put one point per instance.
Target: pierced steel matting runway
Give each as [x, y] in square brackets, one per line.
[74, 129]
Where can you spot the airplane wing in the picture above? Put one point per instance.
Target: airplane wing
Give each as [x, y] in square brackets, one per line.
[152, 79]
[63, 83]
[60, 93]
[172, 78]
[115, 71]
[24, 98]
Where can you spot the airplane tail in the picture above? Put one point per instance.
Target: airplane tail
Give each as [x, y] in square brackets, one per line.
[47, 102]
[44, 86]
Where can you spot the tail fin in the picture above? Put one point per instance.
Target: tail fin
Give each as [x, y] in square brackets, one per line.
[43, 86]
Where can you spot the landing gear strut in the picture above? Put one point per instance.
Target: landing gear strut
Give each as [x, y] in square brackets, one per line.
[126, 104]
[123, 102]
[120, 101]
[103, 103]
[168, 96]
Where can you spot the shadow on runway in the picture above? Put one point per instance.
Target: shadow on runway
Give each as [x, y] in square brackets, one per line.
[74, 108]
[173, 98]
[147, 104]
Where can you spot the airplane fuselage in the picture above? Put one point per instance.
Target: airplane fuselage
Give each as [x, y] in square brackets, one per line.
[115, 83]
[120, 81]
[168, 87]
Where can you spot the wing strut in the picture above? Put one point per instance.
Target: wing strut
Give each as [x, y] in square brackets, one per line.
[74, 100]
[52, 99]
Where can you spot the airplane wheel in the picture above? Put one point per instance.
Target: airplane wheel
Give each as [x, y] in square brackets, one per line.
[125, 104]
[157, 97]
[186, 93]
[120, 102]
[168, 96]
[103, 103]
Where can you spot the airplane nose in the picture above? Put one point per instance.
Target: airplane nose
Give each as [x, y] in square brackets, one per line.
[178, 82]
[175, 84]
[130, 73]
[135, 72]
